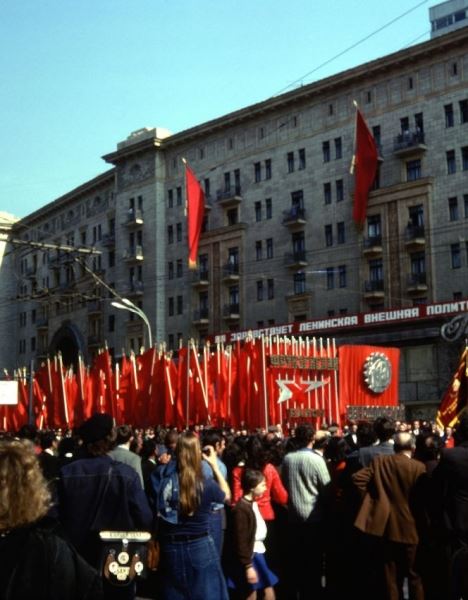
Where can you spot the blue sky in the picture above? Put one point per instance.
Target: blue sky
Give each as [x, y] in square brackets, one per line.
[77, 76]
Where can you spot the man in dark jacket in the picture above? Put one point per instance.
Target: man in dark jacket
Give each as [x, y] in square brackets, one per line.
[97, 493]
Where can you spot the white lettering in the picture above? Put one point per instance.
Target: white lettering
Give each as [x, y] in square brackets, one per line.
[448, 307]
[392, 315]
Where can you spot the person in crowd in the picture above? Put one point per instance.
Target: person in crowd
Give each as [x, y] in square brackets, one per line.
[167, 451]
[97, 493]
[68, 450]
[384, 428]
[448, 437]
[190, 565]
[450, 485]
[249, 570]
[392, 488]
[321, 440]
[122, 452]
[149, 462]
[214, 438]
[307, 480]
[34, 561]
[48, 459]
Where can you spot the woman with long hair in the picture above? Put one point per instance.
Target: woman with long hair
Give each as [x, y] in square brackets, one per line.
[34, 562]
[190, 565]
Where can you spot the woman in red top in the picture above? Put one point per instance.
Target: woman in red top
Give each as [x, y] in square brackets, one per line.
[257, 459]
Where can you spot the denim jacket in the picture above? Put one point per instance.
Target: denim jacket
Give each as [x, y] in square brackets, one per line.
[165, 491]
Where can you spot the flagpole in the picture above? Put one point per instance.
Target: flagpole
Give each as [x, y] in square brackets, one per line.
[335, 378]
[265, 395]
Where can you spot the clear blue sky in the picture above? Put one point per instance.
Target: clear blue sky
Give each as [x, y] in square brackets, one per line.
[77, 76]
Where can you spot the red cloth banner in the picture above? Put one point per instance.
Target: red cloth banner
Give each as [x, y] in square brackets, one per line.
[195, 215]
[365, 167]
[455, 398]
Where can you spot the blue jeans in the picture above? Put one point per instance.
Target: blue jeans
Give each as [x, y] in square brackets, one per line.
[191, 570]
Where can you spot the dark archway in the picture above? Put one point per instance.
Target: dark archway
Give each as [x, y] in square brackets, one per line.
[69, 341]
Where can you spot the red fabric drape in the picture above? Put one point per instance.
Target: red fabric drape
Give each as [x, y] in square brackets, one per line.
[365, 168]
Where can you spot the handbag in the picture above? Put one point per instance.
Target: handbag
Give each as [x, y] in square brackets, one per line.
[125, 555]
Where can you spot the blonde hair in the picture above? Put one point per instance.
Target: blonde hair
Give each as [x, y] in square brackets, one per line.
[24, 495]
[188, 454]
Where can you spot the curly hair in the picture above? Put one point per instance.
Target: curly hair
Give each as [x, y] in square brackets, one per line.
[24, 495]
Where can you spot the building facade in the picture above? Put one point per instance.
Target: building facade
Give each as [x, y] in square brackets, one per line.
[448, 16]
[279, 244]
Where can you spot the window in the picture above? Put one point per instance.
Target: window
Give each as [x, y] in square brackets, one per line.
[463, 111]
[234, 297]
[233, 258]
[111, 323]
[330, 278]
[268, 168]
[376, 134]
[327, 195]
[179, 196]
[111, 258]
[227, 182]
[179, 232]
[302, 158]
[326, 151]
[449, 118]
[170, 341]
[299, 282]
[413, 170]
[419, 122]
[259, 291]
[376, 270]
[237, 182]
[170, 198]
[268, 208]
[451, 162]
[206, 184]
[338, 148]
[179, 267]
[170, 306]
[342, 276]
[339, 190]
[464, 152]
[455, 256]
[258, 250]
[258, 211]
[410, 83]
[297, 201]
[453, 209]
[170, 234]
[373, 226]
[454, 68]
[180, 305]
[404, 125]
[465, 202]
[298, 244]
[290, 159]
[340, 232]
[418, 263]
[270, 289]
[232, 216]
[330, 109]
[328, 235]
[368, 97]
[269, 248]
[258, 172]
[170, 270]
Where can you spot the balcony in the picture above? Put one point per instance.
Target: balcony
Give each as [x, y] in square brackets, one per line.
[134, 217]
[417, 283]
[200, 317]
[296, 260]
[200, 278]
[294, 217]
[231, 312]
[134, 253]
[94, 307]
[415, 237]
[231, 272]
[31, 272]
[231, 197]
[374, 289]
[409, 143]
[108, 240]
[372, 246]
[299, 292]
[136, 289]
[95, 341]
[42, 323]
[208, 203]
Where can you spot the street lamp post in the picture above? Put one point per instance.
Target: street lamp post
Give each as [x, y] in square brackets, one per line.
[126, 304]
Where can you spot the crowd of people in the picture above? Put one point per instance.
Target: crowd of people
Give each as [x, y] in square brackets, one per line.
[314, 514]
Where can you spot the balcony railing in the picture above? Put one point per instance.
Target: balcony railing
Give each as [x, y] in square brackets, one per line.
[409, 141]
[231, 311]
[108, 239]
[230, 196]
[295, 259]
[202, 314]
[200, 277]
[414, 232]
[294, 216]
[374, 285]
[133, 253]
[136, 288]
[231, 271]
[134, 217]
[417, 279]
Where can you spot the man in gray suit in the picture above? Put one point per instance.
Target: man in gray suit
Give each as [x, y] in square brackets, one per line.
[384, 429]
[122, 452]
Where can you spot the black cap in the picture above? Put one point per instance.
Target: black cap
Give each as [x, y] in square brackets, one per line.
[96, 428]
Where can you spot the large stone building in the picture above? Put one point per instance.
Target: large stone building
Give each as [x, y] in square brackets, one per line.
[279, 245]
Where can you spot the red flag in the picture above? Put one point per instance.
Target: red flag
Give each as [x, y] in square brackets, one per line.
[195, 214]
[365, 167]
[456, 397]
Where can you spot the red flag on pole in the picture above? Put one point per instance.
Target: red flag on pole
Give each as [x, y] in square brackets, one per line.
[455, 399]
[364, 166]
[195, 214]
